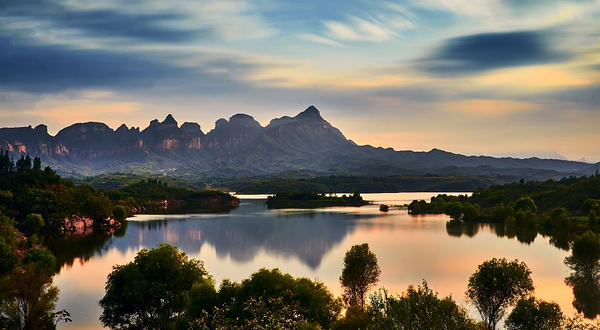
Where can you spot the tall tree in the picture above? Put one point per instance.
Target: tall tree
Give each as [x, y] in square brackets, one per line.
[496, 285]
[360, 273]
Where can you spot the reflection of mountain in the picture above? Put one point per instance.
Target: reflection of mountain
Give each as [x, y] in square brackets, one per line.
[240, 235]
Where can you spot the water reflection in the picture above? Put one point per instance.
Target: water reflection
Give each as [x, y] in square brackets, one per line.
[67, 248]
[305, 235]
[525, 234]
[311, 244]
[584, 279]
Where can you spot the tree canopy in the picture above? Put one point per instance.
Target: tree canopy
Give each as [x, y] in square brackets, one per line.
[151, 291]
[360, 273]
[496, 285]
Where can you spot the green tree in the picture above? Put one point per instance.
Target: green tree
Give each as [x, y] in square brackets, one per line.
[120, 213]
[29, 296]
[525, 204]
[592, 218]
[37, 164]
[33, 223]
[534, 314]
[8, 245]
[310, 299]
[418, 308]
[355, 318]
[151, 291]
[470, 212]
[455, 210]
[496, 285]
[591, 204]
[360, 273]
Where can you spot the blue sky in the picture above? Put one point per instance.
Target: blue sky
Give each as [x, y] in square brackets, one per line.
[499, 77]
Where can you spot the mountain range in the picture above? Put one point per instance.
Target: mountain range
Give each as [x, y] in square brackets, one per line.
[242, 147]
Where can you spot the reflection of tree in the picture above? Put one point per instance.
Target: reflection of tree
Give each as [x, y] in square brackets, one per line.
[458, 228]
[67, 248]
[584, 263]
[525, 233]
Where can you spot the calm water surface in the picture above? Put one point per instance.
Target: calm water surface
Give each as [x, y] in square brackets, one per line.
[311, 243]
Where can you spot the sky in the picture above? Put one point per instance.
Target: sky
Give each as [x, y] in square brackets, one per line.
[495, 77]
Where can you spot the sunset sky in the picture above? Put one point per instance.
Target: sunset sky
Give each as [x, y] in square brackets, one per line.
[496, 77]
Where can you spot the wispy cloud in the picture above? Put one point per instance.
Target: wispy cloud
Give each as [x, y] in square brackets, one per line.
[388, 21]
[319, 39]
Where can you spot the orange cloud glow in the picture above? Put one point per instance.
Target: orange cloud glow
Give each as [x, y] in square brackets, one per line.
[489, 107]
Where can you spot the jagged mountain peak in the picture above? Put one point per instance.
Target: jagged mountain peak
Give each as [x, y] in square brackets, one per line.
[169, 120]
[310, 113]
[122, 128]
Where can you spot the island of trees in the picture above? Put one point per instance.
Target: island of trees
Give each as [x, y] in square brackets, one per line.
[560, 209]
[305, 199]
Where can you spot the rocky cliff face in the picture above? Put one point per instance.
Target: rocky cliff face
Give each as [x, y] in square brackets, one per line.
[240, 146]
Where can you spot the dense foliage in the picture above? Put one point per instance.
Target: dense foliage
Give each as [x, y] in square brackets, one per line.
[27, 189]
[560, 209]
[534, 314]
[27, 296]
[309, 199]
[153, 193]
[151, 291]
[29, 193]
[418, 308]
[163, 289]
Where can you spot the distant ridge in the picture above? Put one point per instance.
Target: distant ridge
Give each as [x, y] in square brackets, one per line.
[241, 147]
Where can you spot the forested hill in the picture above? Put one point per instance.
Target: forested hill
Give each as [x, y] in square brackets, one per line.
[27, 190]
[241, 147]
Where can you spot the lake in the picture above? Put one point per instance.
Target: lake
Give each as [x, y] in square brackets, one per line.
[310, 243]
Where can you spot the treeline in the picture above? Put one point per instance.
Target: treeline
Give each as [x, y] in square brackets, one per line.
[115, 181]
[560, 209]
[151, 193]
[326, 184]
[184, 297]
[27, 189]
[307, 199]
